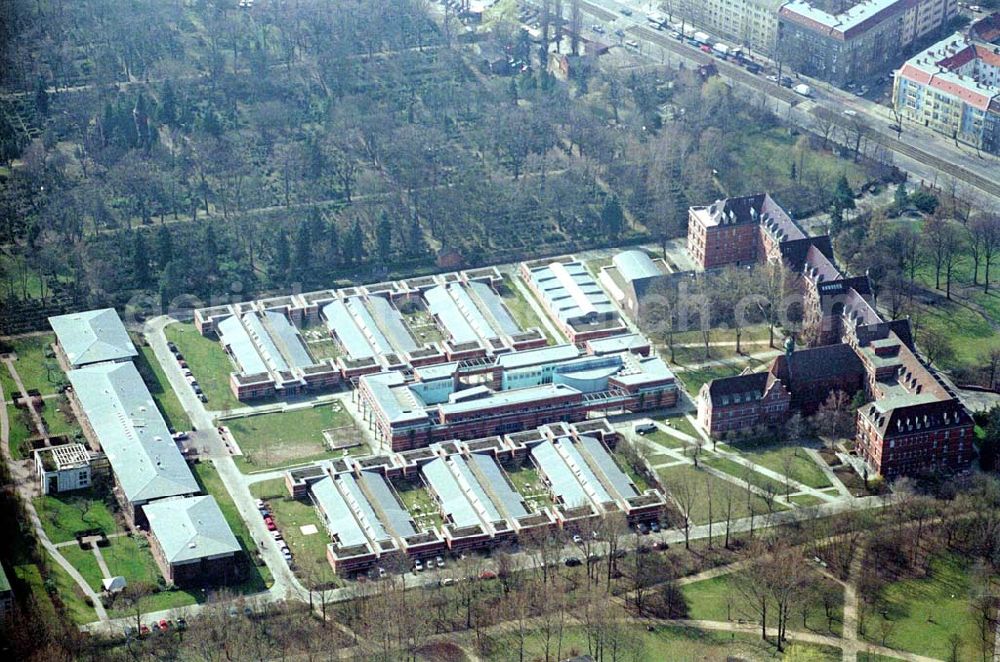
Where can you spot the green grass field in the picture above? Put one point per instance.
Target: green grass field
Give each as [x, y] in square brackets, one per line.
[721, 491]
[19, 433]
[308, 551]
[166, 400]
[924, 613]
[70, 594]
[695, 378]
[421, 505]
[61, 422]
[86, 564]
[7, 383]
[745, 473]
[208, 362]
[36, 370]
[720, 599]
[288, 438]
[662, 643]
[521, 310]
[785, 459]
[682, 424]
[258, 578]
[64, 515]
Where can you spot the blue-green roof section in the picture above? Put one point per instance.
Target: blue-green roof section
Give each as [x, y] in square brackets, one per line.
[94, 336]
[191, 528]
[635, 265]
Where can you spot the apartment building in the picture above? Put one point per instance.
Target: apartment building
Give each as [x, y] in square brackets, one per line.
[953, 87]
[856, 41]
[752, 24]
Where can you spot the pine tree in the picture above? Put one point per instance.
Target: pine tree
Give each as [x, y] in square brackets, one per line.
[282, 257]
[843, 195]
[416, 244]
[333, 248]
[210, 248]
[140, 259]
[164, 246]
[167, 111]
[140, 116]
[41, 98]
[356, 246]
[900, 199]
[303, 250]
[383, 238]
[612, 217]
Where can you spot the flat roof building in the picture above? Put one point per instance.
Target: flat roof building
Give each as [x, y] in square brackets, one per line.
[93, 336]
[191, 540]
[125, 424]
[573, 298]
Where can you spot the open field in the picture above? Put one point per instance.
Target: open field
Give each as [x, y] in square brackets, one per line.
[663, 439]
[720, 599]
[64, 515]
[36, 369]
[7, 382]
[61, 422]
[20, 431]
[287, 438]
[521, 310]
[722, 491]
[325, 349]
[68, 592]
[159, 387]
[921, 615]
[308, 552]
[693, 379]
[785, 459]
[209, 364]
[662, 643]
[682, 424]
[741, 472]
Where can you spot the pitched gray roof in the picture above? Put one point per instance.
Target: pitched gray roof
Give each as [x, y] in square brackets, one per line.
[190, 528]
[93, 336]
[132, 432]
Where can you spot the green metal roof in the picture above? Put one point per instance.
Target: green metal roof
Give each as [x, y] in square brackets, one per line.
[93, 336]
[190, 528]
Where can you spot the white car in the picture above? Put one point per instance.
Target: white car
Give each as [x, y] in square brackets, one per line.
[440, 561]
[577, 539]
[418, 566]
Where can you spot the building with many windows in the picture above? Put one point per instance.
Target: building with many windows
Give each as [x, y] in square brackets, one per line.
[953, 87]
[752, 24]
[855, 41]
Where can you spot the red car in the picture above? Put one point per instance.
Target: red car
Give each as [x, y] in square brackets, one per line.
[487, 574]
[143, 630]
[269, 523]
[163, 625]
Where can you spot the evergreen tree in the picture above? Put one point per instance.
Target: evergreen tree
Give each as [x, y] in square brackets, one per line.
[140, 116]
[210, 248]
[171, 279]
[900, 198]
[612, 217]
[303, 250]
[282, 257]
[416, 244]
[383, 238]
[167, 111]
[41, 98]
[140, 259]
[333, 247]
[356, 244]
[843, 195]
[164, 246]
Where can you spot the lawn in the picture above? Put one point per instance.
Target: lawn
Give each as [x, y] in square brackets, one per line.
[308, 552]
[682, 424]
[785, 459]
[325, 349]
[208, 362]
[288, 438]
[529, 485]
[64, 515]
[663, 439]
[694, 378]
[745, 473]
[420, 504]
[521, 310]
[662, 643]
[722, 490]
[37, 371]
[924, 613]
[258, 577]
[7, 382]
[640, 481]
[19, 432]
[156, 380]
[720, 599]
[969, 335]
[806, 500]
[86, 564]
[71, 595]
[61, 422]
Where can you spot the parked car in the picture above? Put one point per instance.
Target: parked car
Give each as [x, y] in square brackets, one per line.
[642, 528]
[260, 503]
[661, 546]
[143, 630]
[487, 574]
[129, 631]
[447, 581]
[654, 526]
[276, 535]
[233, 612]
[418, 566]
[439, 561]
[182, 623]
[203, 397]
[573, 561]
[753, 68]
[577, 539]
[269, 523]
[247, 611]
[162, 625]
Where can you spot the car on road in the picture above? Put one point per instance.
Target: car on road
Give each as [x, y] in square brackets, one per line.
[753, 68]
[895, 127]
[625, 11]
[773, 78]
[572, 562]
[705, 48]
[619, 32]
[849, 112]
[597, 28]
[632, 44]
[786, 81]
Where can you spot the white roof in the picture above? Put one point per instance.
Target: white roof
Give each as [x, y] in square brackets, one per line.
[93, 336]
